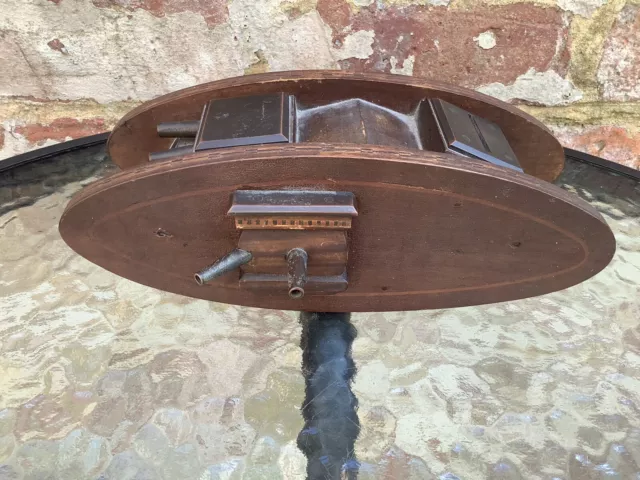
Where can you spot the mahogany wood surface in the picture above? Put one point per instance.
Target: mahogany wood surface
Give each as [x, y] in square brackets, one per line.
[327, 250]
[432, 231]
[135, 136]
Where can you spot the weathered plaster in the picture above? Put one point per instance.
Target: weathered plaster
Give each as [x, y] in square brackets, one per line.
[586, 8]
[619, 72]
[113, 57]
[356, 45]
[406, 68]
[361, 3]
[74, 66]
[542, 88]
[486, 40]
[435, 3]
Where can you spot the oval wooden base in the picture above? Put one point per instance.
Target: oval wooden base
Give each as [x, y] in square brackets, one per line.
[433, 231]
[135, 136]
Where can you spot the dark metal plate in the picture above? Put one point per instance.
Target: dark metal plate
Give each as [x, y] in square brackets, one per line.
[473, 136]
[250, 120]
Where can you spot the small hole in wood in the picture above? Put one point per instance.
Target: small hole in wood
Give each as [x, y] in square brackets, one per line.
[515, 244]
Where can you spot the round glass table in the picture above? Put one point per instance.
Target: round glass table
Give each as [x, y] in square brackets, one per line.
[102, 378]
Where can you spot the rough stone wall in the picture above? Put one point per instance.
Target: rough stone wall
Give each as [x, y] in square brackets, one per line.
[70, 68]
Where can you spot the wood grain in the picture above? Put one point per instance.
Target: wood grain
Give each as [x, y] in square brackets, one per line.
[539, 153]
[433, 230]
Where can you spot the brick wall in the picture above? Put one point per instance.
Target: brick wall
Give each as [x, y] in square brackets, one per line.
[70, 68]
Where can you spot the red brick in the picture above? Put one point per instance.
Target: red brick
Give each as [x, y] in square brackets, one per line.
[528, 36]
[613, 143]
[214, 11]
[335, 13]
[56, 44]
[60, 129]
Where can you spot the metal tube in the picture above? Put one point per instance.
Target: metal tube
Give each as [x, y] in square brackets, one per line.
[297, 275]
[178, 129]
[230, 261]
[168, 154]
